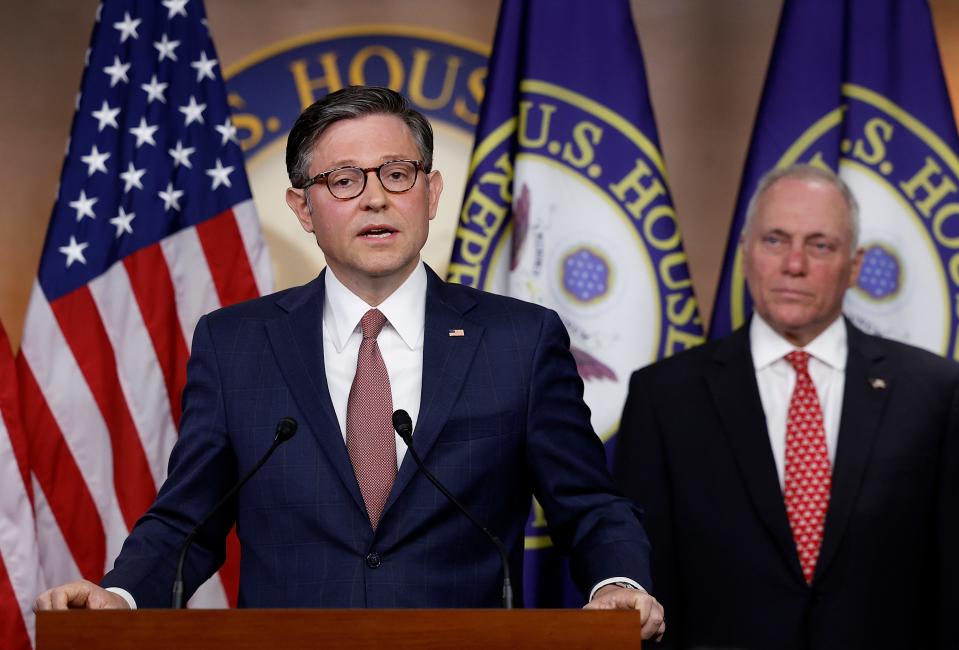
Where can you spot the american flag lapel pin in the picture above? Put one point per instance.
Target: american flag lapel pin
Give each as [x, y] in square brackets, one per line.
[457, 332]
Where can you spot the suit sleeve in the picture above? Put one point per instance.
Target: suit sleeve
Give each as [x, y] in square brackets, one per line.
[587, 517]
[202, 468]
[641, 470]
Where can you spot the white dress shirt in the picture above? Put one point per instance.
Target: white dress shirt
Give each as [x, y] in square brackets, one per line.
[777, 378]
[400, 342]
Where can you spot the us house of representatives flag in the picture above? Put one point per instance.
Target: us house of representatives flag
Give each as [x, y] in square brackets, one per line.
[567, 205]
[857, 86]
[153, 225]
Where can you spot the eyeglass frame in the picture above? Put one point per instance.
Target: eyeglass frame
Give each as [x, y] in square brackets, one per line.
[417, 166]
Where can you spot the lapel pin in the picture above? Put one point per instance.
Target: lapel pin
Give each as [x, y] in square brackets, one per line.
[878, 383]
[457, 333]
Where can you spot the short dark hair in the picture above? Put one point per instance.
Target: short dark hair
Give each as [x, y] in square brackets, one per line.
[349, 103]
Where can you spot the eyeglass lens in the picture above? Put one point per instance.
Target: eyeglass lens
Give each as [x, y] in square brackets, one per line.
[349, 182]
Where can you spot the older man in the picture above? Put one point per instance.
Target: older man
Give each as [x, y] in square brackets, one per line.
[340, 516]
[799, 477]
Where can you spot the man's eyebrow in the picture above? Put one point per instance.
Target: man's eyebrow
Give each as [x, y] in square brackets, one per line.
[347, 162]
[354, 162]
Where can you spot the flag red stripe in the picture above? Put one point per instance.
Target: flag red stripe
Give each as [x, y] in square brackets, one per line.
[59, 476]
[156, 297]
[230, 571]
[79, 320]
[227, 258]
[13, 631]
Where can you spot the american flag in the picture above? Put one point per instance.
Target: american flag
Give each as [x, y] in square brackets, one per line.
[20, 578]
[152, 227]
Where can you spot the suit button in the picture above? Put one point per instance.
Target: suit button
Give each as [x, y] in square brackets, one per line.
[373, 560]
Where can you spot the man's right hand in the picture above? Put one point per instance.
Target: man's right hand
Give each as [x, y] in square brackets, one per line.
[81, 594]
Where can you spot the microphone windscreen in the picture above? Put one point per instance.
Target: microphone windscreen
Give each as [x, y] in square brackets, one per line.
[403, 424]
[285, 429]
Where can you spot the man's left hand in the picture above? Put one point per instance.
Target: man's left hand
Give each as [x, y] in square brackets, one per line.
[651, 612]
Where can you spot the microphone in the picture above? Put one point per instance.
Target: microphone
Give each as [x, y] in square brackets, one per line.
[285, 429]
[404, 427]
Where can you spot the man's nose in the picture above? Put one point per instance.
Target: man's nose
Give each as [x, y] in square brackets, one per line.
[374, 195]
[795, 262]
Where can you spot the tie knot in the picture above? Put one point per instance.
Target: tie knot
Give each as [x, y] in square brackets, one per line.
[799, 360]
[371, 323]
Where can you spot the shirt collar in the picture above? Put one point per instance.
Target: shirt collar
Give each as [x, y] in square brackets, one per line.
[405, 309]
[768, 347]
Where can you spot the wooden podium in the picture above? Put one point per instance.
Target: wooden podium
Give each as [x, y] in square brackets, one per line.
[419, 629]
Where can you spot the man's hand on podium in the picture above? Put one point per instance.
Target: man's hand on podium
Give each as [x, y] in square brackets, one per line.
[81, 594]
[651, 612]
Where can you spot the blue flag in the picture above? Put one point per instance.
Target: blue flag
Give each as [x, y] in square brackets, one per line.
[567, 205]
[857, 86]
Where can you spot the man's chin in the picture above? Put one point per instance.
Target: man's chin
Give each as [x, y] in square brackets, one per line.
[387, 268]
[790, 320]
[799, 329]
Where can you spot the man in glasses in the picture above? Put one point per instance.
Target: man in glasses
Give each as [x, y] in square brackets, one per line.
[340, 516]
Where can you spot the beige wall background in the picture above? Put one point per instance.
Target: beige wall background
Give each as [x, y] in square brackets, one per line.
[705, 59]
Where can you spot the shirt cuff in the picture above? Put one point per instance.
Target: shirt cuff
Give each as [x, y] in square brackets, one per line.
[621, 581]
[127, 596]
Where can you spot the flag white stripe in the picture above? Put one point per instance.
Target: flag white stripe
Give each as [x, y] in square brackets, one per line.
[70, 401]
[56, 559]
[192, 281]
[210, 595]
[255, 244]
[141, 377]
[18, 543]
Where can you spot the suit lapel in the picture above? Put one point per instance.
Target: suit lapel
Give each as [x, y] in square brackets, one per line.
[446, 363]
[732, 382]
[862, 407]
[297, 342]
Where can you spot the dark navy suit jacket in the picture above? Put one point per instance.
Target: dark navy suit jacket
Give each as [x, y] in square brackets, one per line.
[694, 451]
[501, 418]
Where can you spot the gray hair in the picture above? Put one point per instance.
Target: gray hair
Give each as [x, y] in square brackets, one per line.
[805, 172]
[346, 104]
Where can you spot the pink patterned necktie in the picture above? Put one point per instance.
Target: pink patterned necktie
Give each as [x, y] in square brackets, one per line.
[808, 472]
[369, 428]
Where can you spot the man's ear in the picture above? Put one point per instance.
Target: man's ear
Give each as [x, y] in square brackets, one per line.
[856, 266]
[297, 201]
[435, 190]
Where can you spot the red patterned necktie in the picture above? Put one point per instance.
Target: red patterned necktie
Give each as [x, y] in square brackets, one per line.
[369, 428]
[808, 472]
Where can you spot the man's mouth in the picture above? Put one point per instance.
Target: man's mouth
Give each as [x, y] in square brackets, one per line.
[377, 232]
[792, 294]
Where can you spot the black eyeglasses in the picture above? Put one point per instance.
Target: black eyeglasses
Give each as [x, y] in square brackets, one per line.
[395, 176]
